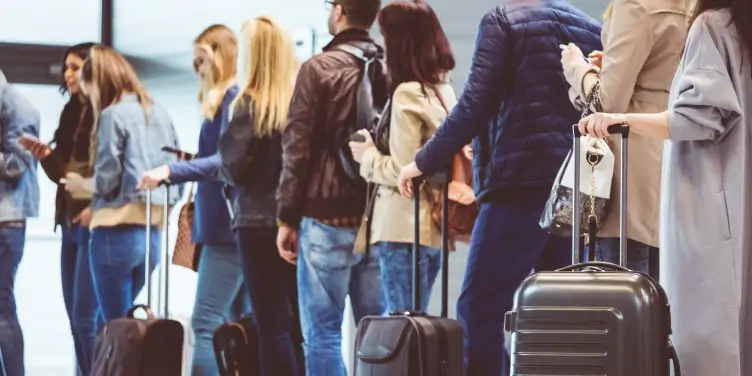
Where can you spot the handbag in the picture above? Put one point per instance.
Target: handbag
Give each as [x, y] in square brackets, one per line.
[596, 175]
[186, 253]
[461, 217]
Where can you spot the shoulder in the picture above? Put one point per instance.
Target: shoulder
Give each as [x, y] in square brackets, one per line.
[13, 98]
[408, 92]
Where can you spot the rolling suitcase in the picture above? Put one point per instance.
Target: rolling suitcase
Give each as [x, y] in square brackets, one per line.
[413, 343]
[592, 318]
[153, 346]
[236, 348]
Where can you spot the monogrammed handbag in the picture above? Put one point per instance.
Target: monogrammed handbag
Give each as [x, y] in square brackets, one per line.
[186, 254]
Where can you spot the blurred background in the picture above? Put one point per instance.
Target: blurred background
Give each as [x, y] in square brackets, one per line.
[157, 36]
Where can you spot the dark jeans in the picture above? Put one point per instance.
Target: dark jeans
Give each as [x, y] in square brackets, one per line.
[271, 283]
[12, 241]
[118, 262]
[640, 257]
[507, 243]
[78, 293]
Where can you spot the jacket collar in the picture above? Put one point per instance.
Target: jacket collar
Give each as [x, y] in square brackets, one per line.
[349, 36]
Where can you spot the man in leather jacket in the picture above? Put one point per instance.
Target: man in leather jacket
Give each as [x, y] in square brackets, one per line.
[319, 204]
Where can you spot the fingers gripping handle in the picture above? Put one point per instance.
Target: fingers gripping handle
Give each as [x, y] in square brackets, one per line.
[623, 130]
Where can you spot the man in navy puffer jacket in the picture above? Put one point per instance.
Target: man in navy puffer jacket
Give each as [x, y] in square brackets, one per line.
[516, 110]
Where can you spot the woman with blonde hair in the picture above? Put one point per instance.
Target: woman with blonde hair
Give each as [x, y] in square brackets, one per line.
[251, 152]
[220, 294]
[128, 131]
[642, 43]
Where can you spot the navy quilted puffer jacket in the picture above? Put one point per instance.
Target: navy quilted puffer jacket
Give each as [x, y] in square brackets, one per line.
[515, 106]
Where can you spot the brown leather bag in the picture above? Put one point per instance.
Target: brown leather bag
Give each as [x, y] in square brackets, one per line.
[461, 217]
[186, 254]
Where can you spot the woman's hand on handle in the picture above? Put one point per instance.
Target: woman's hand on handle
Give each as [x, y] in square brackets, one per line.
[152, 179]
[596, 125]
[405, 179]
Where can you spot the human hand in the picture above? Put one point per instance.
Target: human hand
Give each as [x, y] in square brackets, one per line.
[287, 244]
[359, 148]
[37, 148]
[461, 193]
[597, 124]
[84, 217]
[596, 58]
[405, 179]
[152, 179]
[571, 54]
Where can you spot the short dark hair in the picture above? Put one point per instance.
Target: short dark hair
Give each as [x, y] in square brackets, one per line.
[417, 49]
[360, 13]
[81, 50]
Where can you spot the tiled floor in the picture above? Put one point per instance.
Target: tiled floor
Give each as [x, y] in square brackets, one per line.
[49, 348]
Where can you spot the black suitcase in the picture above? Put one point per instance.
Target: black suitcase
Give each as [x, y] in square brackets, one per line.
[413, 343]
[236, 348]
[153, 346]
[592, 318]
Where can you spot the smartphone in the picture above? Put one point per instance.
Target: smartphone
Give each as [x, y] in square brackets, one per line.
[357, 137]
[182, 155]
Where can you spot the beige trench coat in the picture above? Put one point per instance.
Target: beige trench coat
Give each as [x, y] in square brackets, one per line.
[415, 118]
[642, 42]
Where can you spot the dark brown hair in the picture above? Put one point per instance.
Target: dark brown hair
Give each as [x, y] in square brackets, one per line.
[360, 13]
[416, 47]
[741, 19]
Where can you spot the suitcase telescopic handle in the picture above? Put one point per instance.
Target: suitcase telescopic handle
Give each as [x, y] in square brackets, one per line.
[164, 281]
[623, 130]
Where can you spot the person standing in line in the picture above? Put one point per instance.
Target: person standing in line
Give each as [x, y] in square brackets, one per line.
[72, 214]
[516, 110]
[320, 205]
[129, 131]
[220, 294]
[251, 151]
[419, 60]
[642, 42]
[19, 200]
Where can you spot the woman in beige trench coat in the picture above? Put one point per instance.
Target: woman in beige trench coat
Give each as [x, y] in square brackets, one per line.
[642, 43]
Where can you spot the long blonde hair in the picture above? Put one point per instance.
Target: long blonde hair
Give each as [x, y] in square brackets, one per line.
[609, 12]
[266, 71]
[221, 46]
[110, 76]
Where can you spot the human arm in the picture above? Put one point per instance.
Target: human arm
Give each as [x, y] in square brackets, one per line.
[405, 137]
[236, 145]
[479, 100]
[630, 41]
[296, 145]
[17, 116]
[108, 165]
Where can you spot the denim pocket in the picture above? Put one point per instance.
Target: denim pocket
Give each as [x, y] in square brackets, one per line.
[326, 247]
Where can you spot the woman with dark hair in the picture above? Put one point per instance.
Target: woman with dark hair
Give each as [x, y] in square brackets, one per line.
[419, 59]
[69, 152]
[706, 209]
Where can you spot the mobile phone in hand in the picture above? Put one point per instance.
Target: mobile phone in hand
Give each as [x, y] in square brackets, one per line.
[182, 155]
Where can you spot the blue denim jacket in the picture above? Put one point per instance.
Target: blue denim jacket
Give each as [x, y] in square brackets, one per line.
[19, 188]
[129, 143]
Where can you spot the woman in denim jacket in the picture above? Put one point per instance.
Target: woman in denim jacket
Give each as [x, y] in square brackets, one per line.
[418, 59]
[220, 294]
[128, 133]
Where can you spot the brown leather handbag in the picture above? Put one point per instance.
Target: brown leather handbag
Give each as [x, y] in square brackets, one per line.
[186, 253]
[461, 217]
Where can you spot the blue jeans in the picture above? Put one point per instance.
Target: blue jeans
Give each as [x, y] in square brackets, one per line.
[329, 271]
[78, 293]
[271, 282]
[507, 243]
[397, 274]
[640, 257]
[118, 263]
[220, 297]
[12, 241]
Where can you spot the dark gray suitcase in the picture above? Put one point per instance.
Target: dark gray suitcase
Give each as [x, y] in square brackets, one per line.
[592, 318]
[413, 343]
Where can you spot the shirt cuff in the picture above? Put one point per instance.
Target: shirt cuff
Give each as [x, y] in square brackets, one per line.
[366, 163]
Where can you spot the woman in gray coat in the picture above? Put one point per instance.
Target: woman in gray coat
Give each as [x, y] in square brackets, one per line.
[706, 211]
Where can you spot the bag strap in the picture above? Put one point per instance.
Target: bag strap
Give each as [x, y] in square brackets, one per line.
[364, 94]
[441, 99]
[592, 101]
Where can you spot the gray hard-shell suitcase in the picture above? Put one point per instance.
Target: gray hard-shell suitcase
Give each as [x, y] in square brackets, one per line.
[413, 343]
[130, 346]
[592, 318]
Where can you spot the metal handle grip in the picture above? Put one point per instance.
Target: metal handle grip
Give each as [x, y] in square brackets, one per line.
[623, 130]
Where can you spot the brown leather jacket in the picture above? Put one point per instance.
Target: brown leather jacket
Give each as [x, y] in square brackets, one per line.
[313, 182]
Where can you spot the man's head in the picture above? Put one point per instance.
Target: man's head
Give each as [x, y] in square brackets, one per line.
[346, 14]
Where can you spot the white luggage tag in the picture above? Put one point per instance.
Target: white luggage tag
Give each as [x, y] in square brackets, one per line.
[595, 180]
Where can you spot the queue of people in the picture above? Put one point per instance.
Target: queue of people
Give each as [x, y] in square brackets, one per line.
[276, 142]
